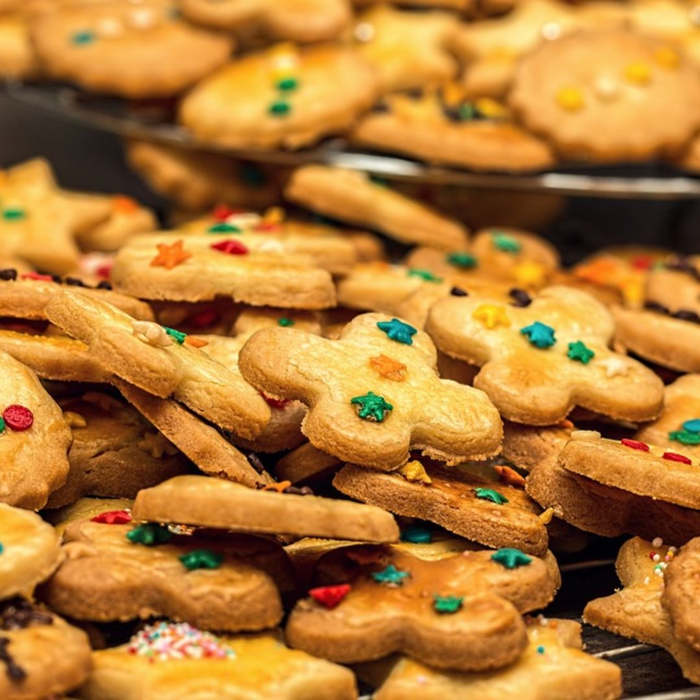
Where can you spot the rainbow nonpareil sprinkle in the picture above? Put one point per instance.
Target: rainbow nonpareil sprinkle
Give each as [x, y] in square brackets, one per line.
[177, 640]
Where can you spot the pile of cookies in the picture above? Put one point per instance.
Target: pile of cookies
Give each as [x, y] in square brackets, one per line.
[504, 85]
[253, 455]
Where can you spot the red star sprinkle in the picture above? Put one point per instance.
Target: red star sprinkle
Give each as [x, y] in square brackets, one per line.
[37, 276]
[275, 403]
[266, 227]
[205, 318]
[635, 444]
[231, 247]
[113, 517]
[222, 212]
[330, 596]
[18, 417]
[675, 457]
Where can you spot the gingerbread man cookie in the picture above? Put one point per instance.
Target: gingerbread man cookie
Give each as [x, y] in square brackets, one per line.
[209, 502]
[680, 595]
[116, 569]
[166, 660]
[285, 96]
[135, 52]
[374, 394]
[161, 361]
[553, 666]
[459, 611]
[636, 610]
[539, 361]
[352, 196]
[295, 20]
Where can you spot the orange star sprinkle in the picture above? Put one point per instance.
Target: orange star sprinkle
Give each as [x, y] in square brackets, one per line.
[388, 368]
[170, 256]
[509, 476]
[195, 342]
[124, 205]
[278, 486]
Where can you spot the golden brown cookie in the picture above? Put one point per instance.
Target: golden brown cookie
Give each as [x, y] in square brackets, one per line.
[209, 502]
[679, 593]
[283, 96]
[636, 610]
[552, 666]
[443, 126]
[136, 52]
[374, 394]
[540, 360]
[353, 197]
[564, 89]
[459, 610]
[191, 662]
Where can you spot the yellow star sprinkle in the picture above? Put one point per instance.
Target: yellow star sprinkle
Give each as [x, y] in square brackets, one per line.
[490, 108]
[414, 471]
[638, 72]
[529, 274]
[570, 98]
[491, 315]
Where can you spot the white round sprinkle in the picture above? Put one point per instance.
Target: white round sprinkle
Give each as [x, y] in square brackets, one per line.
[364, 32]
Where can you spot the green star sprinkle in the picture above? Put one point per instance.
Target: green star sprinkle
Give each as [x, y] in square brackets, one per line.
[540, 649]
[426, 275]
[579, 352]
[511, 558]
[463, 260]
[287, 84]
[177, 336]
[223, 227]
[201, 559]
[507, 244]
[467, 111]
[490, 495]
[692, 425]
[279, 108]
[685, 437]
[448, 604]
[372, 406]
[83, 38]
[416, 534]
[14, 214]
[285, 322]
[390, 575]
[2, 425]
[397, 330]
[539, 334]
[149, 534]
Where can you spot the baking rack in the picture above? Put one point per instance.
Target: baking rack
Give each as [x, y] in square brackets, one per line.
[153, 121]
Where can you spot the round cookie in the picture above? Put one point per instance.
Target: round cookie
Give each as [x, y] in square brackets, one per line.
[608, 96]
[30, 550]
[133, 51]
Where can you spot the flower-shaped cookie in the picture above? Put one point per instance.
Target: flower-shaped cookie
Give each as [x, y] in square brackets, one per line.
[374, 394]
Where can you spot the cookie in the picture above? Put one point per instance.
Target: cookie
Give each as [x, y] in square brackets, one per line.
[565, 88]
[286, 97]
[118, 570]
[166, 659]
[443, 126]
[39, 221]
[135, 52]
[283, 431]
[55, 357]
[552, 666]
[196, 180]
[209, 502]
[202, 443]
[35, 439]
[539, 361]
[84, 509]
[127, 218]
[295, 20]
[636, 610]
[114, 452]
[635, 466]
[42, 655]
[679, 597]
[26, 296]
[17, 58]
[406, 49]
[30, 551]
[374, 394]
[606, 509]
[353, 197]
[160, 361]
[459, 611]
[304, 463]
[251, 268]
[466, 500]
